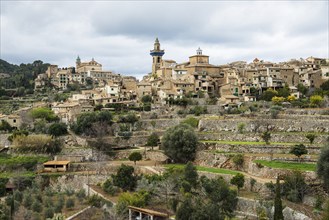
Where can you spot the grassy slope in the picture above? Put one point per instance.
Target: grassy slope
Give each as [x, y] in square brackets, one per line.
[287, 165]
[206, 169]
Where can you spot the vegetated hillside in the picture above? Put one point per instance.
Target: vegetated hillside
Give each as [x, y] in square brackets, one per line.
[6, 67]
[22, 75]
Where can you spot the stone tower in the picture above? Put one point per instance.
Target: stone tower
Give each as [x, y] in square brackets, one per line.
[156, 54]
[78, 62]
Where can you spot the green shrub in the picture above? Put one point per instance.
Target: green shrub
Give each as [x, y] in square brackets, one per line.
[275, 110]
[59, 205]
[57, 129]
[27, 201]
[153, 140]
[294, 187]
[3, 182]
[193, 122]
[266, 137]
[109, 187]
[5, 126]
[135, 156]
[49, 212]
[252, 183]
[36, 206]
[241, 127]
[95, 201]
[316, 100]
[69, 192]
[86, 121]
[238, 159]
[319, 203]
[17, 133]
[69, 203]
[129, 118]
[18, 195]
[198, 110]
[181, 112]
[81, 194]
[43, 113]
[125, 177]
[238, 180]
[311, 137]
[139, 199]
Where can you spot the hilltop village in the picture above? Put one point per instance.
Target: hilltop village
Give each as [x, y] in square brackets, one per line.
[190, 140]
[230, 84]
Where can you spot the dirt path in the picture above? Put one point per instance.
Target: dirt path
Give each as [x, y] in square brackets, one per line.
[259, 179]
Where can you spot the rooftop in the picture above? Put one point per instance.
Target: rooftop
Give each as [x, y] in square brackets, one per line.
[57, 162]
[148, 211]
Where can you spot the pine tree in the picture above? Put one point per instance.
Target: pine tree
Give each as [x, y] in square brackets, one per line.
[278, 215]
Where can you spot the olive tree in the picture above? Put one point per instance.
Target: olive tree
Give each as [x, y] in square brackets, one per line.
[135, 156]
[180, 143]
[298, 150]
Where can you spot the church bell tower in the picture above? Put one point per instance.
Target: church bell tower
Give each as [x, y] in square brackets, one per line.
[156, 54]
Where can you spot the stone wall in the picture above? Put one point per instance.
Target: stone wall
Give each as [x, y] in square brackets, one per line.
[209, 159]
[156, 124]
[271, 173]
[76, 182]
[259, 149]
[248, 208]
[275, 137]
[4, 140]
[307, 111]
[85, 152]
[133, 141]
[302, 117]
[279, 125]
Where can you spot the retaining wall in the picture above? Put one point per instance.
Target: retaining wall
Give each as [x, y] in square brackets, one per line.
[305, 125]
[258, 149]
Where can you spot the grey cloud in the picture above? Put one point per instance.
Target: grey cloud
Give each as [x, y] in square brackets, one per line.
[120, 34]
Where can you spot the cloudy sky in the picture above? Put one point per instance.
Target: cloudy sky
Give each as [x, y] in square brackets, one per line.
[120, 34]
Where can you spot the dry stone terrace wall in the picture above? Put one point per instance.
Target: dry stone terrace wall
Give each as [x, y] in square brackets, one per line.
[257, 149]
[156, 124]
[272, 173]
[131, 142]
[279, 125]
[292, 137]
[302, 117]
[4, 140]
[248, 207]
[307, 111]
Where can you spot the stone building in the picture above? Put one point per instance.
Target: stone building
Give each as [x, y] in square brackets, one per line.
[13, 120]
[67, 112]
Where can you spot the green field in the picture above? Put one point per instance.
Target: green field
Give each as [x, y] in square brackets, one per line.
[247, 142]
[8, 160]
[17, 174]
[287, 165]
[206, 169]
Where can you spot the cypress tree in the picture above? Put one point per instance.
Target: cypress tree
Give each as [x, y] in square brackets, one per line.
[278, 215]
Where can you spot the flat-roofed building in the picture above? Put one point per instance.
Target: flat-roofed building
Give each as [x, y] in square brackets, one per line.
[56, 166]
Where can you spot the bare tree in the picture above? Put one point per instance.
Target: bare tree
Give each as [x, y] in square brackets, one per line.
[166, 190]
